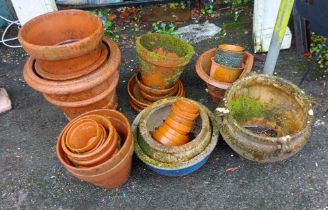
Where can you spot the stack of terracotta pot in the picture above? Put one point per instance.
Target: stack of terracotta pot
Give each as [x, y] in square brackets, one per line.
[220, 77]
[71, 63]
[97, 147]
[162, 59]
[179, 123]
[168, 159]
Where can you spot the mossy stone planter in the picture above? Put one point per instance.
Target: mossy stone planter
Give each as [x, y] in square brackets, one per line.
[269, 118]
[182, 167]
[160, 71]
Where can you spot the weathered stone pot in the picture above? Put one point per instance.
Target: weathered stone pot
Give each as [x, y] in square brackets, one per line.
[217, 89]
[137, 100]
[229, 55]
[162, 71]
[269, 118]
[92, 91]
[207, 136]
[116, 170]
[58, 35]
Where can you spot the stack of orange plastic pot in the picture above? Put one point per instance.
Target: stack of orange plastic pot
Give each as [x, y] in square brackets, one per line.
[174, 131]
[97, 147]
[71, 63]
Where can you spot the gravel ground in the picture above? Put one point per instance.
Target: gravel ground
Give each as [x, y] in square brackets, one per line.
[33, 178]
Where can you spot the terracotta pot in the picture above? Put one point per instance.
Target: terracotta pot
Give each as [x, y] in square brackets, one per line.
[271, 121]
[162, 59]
[153, 117]
[92, 91]
[84, 136]
[59, 35]
[178, 167]
[137, 100]
[223, 73]
[216, 89]
[229, 55]
[116, 170]
[72, 68]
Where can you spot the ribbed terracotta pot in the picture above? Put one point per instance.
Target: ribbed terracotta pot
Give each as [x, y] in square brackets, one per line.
[92, 91]
[58, 35]
[217, 89]
[115, 171]
[178, 164]
[153, 117]
[269, 118]
[161, 70]
[137, 99]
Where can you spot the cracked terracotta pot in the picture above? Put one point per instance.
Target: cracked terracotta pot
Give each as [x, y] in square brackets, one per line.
[162, 59]
[217, 89]
[137, 100]
[58, 35]
[269, 118]
[92, 91]
[116, 170]
[173, 160]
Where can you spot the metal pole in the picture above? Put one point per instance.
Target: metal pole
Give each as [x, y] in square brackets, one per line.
[285, 10]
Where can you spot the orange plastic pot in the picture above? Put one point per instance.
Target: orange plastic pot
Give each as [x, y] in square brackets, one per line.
[59, 35]
[217, 89]
[116, 170]
[83, 136]
[224, 73]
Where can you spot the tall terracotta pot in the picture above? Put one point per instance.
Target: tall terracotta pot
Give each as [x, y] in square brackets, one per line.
[162, 70]
[92, 91]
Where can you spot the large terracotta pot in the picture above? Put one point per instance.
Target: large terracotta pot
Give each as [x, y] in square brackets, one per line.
[160, 70]
[172, 166]
[61, 35]
[92, 91]
[217, 89]
[116, 170]
[269, 118]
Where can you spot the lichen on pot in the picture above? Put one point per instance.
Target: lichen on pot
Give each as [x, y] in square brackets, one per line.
[268, 118]
[162, 59]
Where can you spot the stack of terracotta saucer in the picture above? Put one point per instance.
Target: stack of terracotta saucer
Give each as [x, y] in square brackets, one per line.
[75, 67]
[141, 96]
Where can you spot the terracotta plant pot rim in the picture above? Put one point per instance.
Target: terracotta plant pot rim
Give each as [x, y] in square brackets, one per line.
[107, 92]
[277, 80]
[162, 60]
[58, 52]
[76, 85]
[121, 153]
[231, 48]
[210, 80]
[176, 166]
[159, 92]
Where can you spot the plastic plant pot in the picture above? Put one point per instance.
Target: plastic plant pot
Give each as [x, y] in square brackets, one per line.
[271, 121]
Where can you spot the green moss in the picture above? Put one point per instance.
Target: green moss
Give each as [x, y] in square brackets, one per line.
[244, 108]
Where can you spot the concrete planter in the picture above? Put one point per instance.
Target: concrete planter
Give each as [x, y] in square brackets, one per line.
[269, 118]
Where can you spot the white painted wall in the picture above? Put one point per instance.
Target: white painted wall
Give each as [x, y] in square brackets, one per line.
[264, 19]
[28, 9]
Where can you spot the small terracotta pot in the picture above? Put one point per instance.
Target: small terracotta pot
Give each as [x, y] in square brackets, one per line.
[92, 91]
[137, 100]
[114, 171]
[223, 73]
[217, 89]
[72, 68]
[158, 70]
[59, 35]
[229, 55]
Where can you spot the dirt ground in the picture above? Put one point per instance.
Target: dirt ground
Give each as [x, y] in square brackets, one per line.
[31, 176]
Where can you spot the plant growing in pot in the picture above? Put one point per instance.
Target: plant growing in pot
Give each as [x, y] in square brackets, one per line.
[227, 64]
[162, 59]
